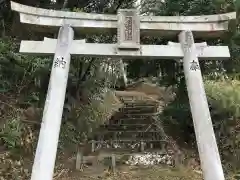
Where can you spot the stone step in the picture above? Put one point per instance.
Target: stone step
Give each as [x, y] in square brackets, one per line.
[136, 107]
[138, 111]
[153, 134]
[120, 131]
[134, 140]
[141, 103]
[127, 124]
[130, 121]
[138, 115]
[132, 127]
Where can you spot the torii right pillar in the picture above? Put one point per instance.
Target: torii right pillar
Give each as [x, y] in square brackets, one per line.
[206, 141]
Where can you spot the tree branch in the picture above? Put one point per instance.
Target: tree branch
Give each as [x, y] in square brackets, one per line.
[87, 71]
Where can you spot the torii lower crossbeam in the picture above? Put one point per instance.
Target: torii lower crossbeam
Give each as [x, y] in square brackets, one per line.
[78, 47]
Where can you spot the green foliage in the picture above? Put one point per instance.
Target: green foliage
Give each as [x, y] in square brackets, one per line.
[237, 9]
[224, 99]
[177, 116]
[95, 113]
[234, 41]
[225, 96]
[224, 102]
[98, 101]
[186, 7]
[10, 132]
[70, 135]
[77, 9]
[237, 176]
[89, 78]
[20, 72]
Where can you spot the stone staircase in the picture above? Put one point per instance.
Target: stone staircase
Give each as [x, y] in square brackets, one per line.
[132, 128]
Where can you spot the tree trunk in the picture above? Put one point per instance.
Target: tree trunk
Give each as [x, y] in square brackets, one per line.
[65, 3]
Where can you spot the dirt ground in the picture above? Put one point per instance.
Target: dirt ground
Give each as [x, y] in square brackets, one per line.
[65, 170]
[134, 173]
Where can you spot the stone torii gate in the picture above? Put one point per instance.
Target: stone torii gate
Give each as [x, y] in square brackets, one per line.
[129, 26]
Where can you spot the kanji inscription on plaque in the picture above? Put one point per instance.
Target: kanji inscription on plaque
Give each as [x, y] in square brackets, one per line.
[128, 29]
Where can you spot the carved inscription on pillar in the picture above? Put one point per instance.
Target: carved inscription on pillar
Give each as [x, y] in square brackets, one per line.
[128, 29]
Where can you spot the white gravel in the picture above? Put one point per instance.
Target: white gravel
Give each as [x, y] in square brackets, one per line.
[149, 159]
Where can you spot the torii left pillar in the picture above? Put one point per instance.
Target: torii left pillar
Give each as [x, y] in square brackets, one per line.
[44, 162]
